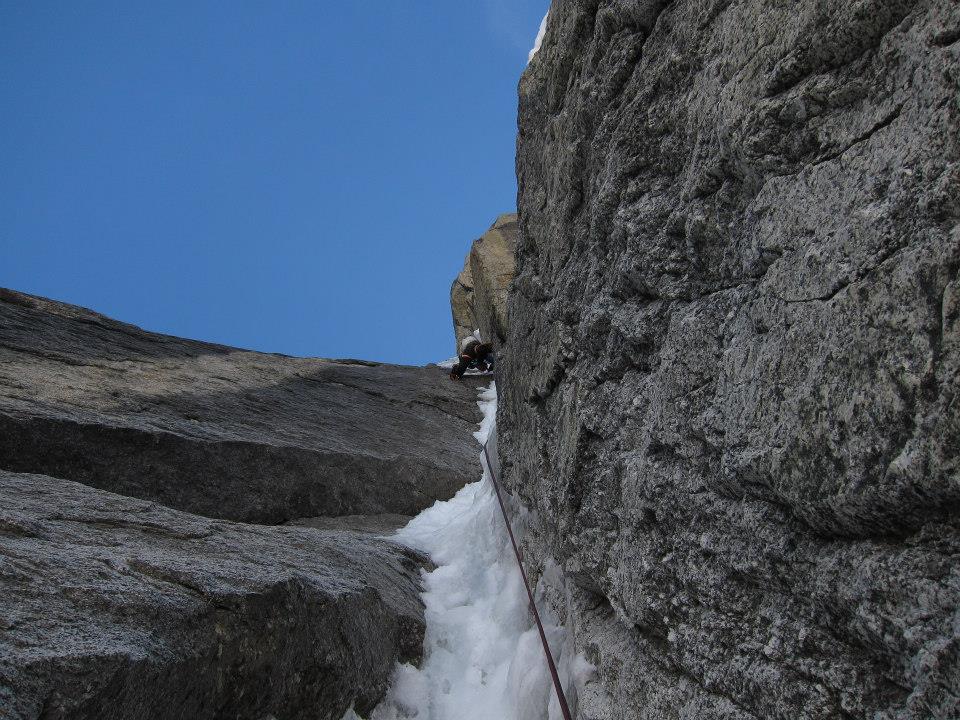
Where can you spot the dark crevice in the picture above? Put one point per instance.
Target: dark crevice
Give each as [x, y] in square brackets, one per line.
[859, 276]
[945, 37]
[884, 122]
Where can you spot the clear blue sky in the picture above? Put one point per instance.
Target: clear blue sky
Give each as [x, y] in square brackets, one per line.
[301, 177]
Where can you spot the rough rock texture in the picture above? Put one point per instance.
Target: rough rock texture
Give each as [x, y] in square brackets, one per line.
[223, 432]
[383, 525]
[478, 297]
[729, 389]
[112, 607]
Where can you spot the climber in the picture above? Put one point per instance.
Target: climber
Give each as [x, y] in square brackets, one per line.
[474, 354]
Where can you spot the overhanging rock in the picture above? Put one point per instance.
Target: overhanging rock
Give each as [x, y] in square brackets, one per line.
[224, 432]
[478, 297]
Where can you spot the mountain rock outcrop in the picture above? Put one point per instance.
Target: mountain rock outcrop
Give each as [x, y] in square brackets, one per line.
[461, 304]
[113, 607]
[147, 601]
[222, 432]
[478, 296]
[729, 390]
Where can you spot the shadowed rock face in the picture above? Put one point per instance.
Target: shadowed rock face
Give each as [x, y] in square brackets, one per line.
[224, 432]
[112, 607]
[729, 389]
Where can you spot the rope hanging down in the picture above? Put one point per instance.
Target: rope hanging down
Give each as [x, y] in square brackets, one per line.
[561, 698]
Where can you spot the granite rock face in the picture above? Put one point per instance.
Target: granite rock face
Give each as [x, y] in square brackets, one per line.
[223, 432]
[478, 296]
[729, 388]
[113, 607]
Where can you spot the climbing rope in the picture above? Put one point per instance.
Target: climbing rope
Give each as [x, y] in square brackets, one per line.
[561, 698]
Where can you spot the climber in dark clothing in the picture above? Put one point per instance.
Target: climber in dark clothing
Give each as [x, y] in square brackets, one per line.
[473, 355]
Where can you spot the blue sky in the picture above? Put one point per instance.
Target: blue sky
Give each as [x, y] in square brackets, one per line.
[296, 177]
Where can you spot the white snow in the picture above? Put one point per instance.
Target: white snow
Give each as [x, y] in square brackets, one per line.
[483, 659]
[539, 41]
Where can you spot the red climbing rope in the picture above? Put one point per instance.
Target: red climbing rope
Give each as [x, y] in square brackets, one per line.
[561, 698]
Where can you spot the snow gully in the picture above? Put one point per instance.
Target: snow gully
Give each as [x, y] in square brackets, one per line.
[483, 657]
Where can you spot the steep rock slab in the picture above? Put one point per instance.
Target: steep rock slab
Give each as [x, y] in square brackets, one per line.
[224, 432]
[112, 607]
[478, 296]
[730, 384]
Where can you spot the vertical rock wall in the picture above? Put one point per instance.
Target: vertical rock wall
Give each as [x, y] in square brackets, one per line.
[729, 387]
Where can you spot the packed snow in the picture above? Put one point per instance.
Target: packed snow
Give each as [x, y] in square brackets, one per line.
[483, 659]
[539, 41]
